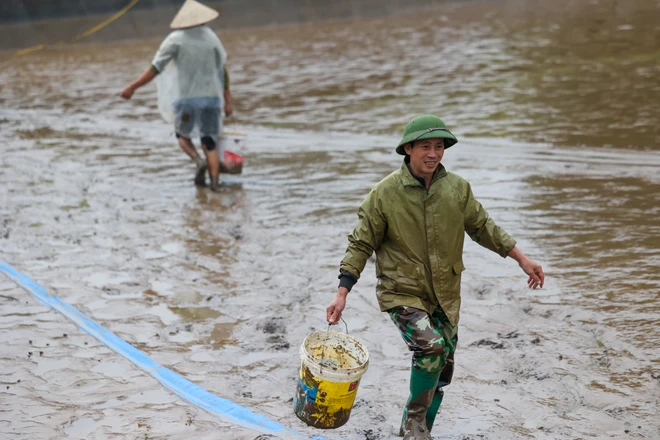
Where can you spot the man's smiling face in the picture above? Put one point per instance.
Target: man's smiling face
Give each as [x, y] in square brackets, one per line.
[425, 156]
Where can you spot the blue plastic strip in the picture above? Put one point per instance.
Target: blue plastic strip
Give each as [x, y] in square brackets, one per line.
[179, 385]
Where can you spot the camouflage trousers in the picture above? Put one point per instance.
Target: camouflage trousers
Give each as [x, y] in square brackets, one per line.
[431, 338]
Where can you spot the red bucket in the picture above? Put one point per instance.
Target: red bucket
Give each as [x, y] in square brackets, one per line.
[232, 163]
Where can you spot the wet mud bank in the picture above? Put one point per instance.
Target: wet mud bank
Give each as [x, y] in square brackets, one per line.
[223, 288]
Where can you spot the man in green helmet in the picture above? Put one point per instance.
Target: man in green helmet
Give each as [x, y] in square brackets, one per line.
[415, 220]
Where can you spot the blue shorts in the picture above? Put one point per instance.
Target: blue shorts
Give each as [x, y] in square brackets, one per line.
[202, 116]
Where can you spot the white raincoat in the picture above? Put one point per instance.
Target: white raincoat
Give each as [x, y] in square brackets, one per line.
[195, 80]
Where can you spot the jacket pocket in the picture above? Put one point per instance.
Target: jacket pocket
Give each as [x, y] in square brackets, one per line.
[455, 284]
[410, 280]
[407, 272]
[458, 267]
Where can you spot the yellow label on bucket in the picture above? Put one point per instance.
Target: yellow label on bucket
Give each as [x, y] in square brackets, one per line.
[336, 395]
[321, 403]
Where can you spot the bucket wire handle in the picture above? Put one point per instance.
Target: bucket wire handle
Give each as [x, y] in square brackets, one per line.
[327, 333]
[342, 320]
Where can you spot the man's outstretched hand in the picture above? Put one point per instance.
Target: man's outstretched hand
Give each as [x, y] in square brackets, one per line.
[530, 267]
[535, 272]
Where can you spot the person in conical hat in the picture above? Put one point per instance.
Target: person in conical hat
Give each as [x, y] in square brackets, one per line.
[193, 86]
[415, 220]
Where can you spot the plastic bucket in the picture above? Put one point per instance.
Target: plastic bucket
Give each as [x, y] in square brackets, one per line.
[232, 163]
[332, 365]
[233, 140]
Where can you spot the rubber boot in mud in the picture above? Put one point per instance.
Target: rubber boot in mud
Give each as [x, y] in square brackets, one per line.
[422, 389]
[433, 409]
[200, 173]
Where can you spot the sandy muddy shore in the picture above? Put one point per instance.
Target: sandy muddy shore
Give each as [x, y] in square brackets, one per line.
[223, 288]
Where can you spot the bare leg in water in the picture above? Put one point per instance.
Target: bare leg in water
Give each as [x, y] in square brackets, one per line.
[213, 161]
[189, 148]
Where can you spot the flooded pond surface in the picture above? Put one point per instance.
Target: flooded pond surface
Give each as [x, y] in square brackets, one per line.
[556, 118]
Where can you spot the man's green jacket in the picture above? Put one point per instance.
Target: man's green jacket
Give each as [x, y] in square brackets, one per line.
[418, 235]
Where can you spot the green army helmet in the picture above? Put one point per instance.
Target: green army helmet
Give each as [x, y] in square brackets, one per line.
[425, 127]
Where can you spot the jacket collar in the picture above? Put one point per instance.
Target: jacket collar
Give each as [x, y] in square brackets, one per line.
[409, 180]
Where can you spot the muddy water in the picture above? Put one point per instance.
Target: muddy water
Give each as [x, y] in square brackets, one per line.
[555, 116]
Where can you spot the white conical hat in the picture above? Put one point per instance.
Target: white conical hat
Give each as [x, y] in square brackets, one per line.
[193, 13]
